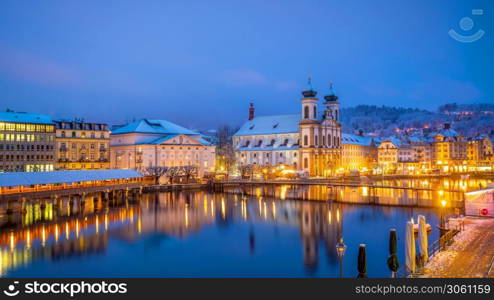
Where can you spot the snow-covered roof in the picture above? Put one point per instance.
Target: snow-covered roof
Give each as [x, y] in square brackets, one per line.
[153, 126]
[270, 125]
[395, 141]
[281, 148]
[354, 139]
[20, 117]
[418, 139]
[31, 178]
[448, 133]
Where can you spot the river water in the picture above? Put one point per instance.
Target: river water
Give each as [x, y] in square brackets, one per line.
[201, 234]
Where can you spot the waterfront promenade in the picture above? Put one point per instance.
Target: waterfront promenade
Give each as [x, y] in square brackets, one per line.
[470, 256]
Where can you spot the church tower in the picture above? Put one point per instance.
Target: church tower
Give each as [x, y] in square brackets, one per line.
[331, 132]
[309, 130]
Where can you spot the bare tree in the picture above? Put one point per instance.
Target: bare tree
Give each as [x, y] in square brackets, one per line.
[224, 147]
[189, 171]
[172, 173]
[246, 171]
[154, 171]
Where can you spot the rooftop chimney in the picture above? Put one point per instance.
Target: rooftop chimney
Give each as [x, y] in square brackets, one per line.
[251, 111]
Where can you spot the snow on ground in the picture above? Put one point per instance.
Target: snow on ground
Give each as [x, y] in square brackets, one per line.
[470, 253]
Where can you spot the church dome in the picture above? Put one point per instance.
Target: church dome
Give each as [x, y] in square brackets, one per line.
[309, 93]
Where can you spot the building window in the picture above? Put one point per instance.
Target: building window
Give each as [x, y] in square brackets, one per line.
[306, 112]
[63, 133]
[315, 112]
[73, 134]
[306, 163]
[306, 140]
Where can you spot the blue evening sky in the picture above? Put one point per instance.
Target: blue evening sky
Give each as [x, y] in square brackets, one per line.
[200, 63]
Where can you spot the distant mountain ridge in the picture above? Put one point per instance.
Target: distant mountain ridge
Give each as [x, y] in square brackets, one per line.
[468, 119]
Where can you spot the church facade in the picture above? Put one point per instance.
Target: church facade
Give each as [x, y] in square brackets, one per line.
[310, 141]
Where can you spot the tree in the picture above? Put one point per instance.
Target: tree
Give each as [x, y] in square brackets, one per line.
[154, 171]
[189, 171]
[172, 172]
[225, 152]
[246, 170]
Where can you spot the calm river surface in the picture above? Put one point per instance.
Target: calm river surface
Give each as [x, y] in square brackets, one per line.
[199, 234]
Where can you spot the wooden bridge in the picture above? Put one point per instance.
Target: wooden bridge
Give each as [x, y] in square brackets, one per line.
[375, 194]
[329, 183]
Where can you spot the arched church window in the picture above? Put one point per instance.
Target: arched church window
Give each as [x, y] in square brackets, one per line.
[306, 112]
[306, 140]
[315, 112]
[329, 139]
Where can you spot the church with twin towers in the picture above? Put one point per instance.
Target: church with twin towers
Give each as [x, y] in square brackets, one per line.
[310, 141]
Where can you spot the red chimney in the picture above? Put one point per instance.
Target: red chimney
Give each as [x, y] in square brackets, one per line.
[251, 111]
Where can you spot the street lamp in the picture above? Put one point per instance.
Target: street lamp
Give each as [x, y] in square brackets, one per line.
[443, 205]
[340, 250]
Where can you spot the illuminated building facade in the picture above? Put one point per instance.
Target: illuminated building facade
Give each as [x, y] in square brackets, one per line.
[480, 153]
[394, 156]
[82, 146]
[27, 142]
[148, 143]
[359, 152]
[449, 150]
[309, 141]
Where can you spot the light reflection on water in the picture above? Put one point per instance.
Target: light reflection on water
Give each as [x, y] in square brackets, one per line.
[198, 234]
[261, 232]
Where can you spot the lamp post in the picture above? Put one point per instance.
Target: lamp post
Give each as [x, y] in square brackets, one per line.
[340, 250]
[443, 205]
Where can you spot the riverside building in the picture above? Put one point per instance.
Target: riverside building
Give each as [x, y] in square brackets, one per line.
[27, 142]
[82, 146]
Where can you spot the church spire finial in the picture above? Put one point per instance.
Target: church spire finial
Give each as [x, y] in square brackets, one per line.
[310, 93]
[332, 95]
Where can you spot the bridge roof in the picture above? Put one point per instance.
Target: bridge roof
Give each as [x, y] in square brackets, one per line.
[31, 178]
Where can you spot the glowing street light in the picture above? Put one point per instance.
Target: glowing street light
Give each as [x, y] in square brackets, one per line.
[443, 206]
[340, 251]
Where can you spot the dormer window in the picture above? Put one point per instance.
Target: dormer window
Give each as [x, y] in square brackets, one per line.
[259, 143]
[271, 144]
[251, 127]
[247, 143]
[275, 125]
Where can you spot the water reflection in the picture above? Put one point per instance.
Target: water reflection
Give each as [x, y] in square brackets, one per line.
[193, 234]
[404, 192]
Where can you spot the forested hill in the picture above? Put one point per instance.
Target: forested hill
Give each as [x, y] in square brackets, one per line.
[468, 119]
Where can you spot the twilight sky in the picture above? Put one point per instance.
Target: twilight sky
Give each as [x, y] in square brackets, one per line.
[199, 63]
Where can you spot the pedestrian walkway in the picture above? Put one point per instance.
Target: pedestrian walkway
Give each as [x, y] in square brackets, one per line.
[470, 255]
